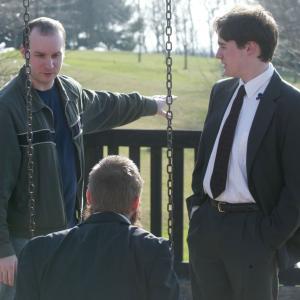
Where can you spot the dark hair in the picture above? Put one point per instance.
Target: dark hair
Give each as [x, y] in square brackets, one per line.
[46, 26]
[114, 183]
[249, 23]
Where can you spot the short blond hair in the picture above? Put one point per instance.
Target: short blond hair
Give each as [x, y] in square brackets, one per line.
[114, 183]
[47, 26]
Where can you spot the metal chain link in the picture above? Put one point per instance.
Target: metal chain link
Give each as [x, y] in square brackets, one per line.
[169, 101]
[30, 150]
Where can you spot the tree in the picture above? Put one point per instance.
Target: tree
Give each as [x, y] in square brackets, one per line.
[157, 23]
[192, 30]
[286, 13]
[184, 28]
[67, 12]
[138, 28]
[89, 22]
[212, 8]
[106, 22]
[11, 23]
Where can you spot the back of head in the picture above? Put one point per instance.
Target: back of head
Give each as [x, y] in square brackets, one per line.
[47, 26]
[114, 183]
[249, 23]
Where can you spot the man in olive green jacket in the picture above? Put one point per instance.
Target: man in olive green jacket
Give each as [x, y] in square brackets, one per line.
[62, 112]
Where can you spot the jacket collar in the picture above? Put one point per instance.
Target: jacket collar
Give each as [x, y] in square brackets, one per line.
[107, 217]
[37, 103]
[221, 102]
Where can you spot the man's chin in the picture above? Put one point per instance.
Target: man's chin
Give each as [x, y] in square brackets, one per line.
[226, 73]
[43, 85]
[48, 80]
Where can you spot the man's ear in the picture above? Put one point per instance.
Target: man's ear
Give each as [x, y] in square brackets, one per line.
[253, 48]
[88, 197]
[135, 203]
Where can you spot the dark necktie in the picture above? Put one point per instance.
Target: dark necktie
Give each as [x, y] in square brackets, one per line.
[219, 174]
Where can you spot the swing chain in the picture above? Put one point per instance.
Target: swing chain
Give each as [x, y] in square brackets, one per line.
[169, 101]
[30, 150]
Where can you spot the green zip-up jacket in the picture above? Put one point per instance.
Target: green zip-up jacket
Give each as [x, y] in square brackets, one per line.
[86, 111]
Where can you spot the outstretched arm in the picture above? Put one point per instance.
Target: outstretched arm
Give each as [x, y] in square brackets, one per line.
[105, 110]
[10, 157]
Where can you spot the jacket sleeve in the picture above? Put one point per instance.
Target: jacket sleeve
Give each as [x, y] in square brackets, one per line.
[163, 283]
[27, 287]
[104, 110]
[10, 159]
[197, 179]
[284, 220]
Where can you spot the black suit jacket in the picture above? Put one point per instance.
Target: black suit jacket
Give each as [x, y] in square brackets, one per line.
[273, 161]
[103, 258]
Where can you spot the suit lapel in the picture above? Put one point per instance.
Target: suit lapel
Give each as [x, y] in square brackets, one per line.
[262, 118]
[220, 104]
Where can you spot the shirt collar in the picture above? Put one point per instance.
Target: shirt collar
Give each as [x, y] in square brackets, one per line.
[103, 217]
[253, 87]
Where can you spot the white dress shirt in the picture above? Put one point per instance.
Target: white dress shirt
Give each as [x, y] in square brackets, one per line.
[237, 190]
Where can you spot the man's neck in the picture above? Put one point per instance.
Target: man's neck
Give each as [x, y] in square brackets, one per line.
[42, 87]
[254, 70]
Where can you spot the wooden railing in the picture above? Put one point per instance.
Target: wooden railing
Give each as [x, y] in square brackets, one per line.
[109, 142]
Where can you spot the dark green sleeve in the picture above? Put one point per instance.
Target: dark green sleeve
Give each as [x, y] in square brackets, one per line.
[284, 220]
[104, 110]
[196, 198]
[10, 160]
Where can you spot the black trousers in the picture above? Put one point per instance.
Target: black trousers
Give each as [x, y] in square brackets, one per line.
[228, 258]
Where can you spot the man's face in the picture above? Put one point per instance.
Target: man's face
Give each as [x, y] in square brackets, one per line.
[232, 58]
[46, 57]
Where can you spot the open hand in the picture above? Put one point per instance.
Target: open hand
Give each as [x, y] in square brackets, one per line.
[161, 103]
[8, 269]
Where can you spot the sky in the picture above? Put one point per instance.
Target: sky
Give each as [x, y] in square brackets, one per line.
[200, 21]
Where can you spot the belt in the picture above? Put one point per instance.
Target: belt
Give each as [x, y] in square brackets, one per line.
[224, 207]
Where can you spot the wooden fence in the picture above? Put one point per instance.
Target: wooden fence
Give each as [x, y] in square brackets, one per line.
[109, 142]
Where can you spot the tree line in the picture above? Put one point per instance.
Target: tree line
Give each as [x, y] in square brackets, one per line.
[88, 23]
[287, 13]
[126, 24]
[115, 24]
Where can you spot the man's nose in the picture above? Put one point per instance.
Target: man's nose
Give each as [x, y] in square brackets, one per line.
[50, 63]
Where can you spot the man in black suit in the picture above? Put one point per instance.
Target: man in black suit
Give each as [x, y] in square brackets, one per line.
[105, 257]
[245, 207]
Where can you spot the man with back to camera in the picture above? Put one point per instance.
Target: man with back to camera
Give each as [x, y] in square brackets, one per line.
[62, 112]
[106, 256]
[245, 207]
